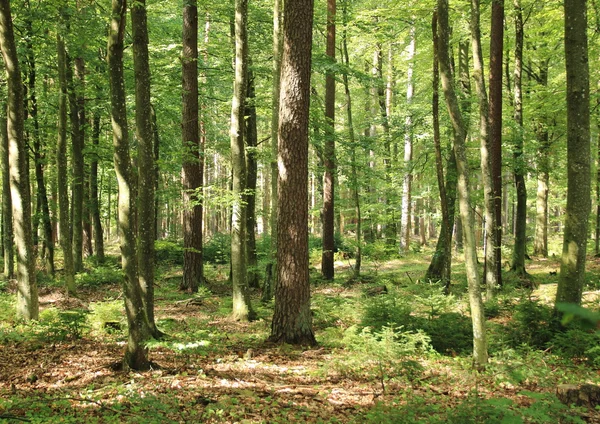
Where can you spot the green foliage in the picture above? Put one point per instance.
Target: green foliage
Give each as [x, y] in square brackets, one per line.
[533, 324]
[577, 343]
[100, 276]
[217, 249]
[435, 301]
[57, 325]
[169, 252]
[450, 333]
[385, 310]
[107, 317]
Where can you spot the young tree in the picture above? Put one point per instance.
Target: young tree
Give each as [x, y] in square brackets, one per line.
[192, 169]
[466, 214]
[572, 269]
[292, 318]
[242, 308]
[27, 293]
[327, 262]
[136, 356]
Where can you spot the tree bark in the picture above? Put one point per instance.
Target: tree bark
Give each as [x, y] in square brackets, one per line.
[94, 195]
[477, 313]
[27, 293]
[292, 318]
[7, 218]
[572, 269]
[242, 308]
[136, 356]
[192, 169]
[327, 258]
[251, 177]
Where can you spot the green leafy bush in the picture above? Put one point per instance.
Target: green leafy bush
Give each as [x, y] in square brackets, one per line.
[385, 310]
[577, 343]
[450, 333]
[60, 325]
[99, 277]
[217, 249]
[107, 317]
[166, 251]
[533, 324]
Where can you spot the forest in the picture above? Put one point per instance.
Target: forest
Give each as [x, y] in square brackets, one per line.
[269, 211]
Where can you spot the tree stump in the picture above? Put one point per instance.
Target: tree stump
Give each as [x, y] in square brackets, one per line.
[580, 395]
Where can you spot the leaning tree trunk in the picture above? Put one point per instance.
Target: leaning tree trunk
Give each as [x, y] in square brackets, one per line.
[62, 169]
[136, 356]
[242, 308]
[191, 169]
[292, 318]
[466, 214]
[7, 220]
[327, 257]
[27, 293]
[572, 269]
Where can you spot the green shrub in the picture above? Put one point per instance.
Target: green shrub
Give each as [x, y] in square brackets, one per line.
[107, 317]
[450, 333]
[60, 325]
[166, 251]
[385, 310]
[533, 324]
[577, 343]
[99, 277]
[217, 250]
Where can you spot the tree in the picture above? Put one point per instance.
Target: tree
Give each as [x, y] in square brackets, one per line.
[7, 221]
[572, 268]
[250, 119]
[292, 318]
[135, 354]
[242, 308]
[62, 168]
[327, 260]
[466, 214]
[146, 178]
[27, 293]
[191, 170]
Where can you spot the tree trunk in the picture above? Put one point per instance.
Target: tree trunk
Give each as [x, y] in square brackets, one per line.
[477, 313]
[327, 259]
[136, 355]
[7, 219]
[94, 196]
[292, 318]
[242, 308]
[494, 266]
[62, 169]
[27, 293]
[251, 177]
[520, 247]
[572, 269]
[146, 173]
[192, 169]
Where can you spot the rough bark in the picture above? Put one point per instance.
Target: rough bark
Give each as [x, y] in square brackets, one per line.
[94, 195]
[27, 293]
[136, 356]
[292, 318]
[327, 259]
[242, 308]
[572, 269]
[192, 169]
[7, 220]
[466, 214]
[251, 178]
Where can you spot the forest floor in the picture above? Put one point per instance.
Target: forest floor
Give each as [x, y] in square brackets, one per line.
[212, 369]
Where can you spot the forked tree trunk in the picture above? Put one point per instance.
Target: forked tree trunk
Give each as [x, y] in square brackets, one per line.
[27, 293]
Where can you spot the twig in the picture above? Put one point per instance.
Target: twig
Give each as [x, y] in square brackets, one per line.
[410, 278]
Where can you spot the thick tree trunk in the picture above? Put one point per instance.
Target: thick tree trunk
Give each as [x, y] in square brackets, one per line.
[466, 214]
[7, 220]
[27, 293]
[192, 169]
[251, 177]
[292, 318]
[520, 247]
[136, 356]
[327, 260]
[62, 169]
[572, 269]
[242, 308]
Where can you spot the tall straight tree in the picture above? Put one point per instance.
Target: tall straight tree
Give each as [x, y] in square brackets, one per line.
[192, 169]
[136, 356]
[62, 168]
[494, 275]
[519, 250]
[27, 293]
[466, 214]
[94, 195]
[327, 262]
[146, 178]
[292, 318]
[572, 269]
[242, 308]
[7, 221]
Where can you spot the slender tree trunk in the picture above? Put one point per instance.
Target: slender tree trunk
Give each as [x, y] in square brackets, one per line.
[62, 170]
[27, 293]
[495, 146]
[520, 247]
[191, 170]
[292, 318]
[146, 174]
[251, 177]
[94, 196]
[475, 301]
[7, 218]
[572, 269]
[136, 355]
[242, 308]
[327, 260]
